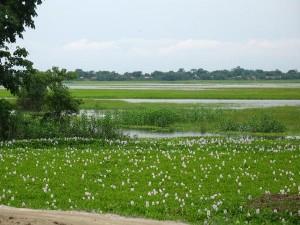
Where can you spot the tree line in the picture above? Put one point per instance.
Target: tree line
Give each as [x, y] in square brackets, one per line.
[237, 73]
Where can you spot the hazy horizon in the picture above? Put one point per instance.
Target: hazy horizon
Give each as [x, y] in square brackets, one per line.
[144, 35]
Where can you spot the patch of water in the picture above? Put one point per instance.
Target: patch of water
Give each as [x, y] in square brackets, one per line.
[151, 134]
[92, 113]
[226, 103]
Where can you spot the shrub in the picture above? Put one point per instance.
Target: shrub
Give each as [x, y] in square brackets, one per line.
[30, 126]
[6, 119]
[84, 126]
[34, 91]
[201, 114]
[265, 123]
[60, 103]
[45, 91]
[230, 125]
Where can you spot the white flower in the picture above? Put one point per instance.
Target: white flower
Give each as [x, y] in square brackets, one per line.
[147, 204]
[208, 213]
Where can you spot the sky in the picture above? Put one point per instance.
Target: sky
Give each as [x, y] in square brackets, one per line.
[149, 35]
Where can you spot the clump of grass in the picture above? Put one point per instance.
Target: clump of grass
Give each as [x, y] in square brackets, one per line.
[205, 118]
[148, 117]
[262, 123]
[31, 126]
[202, 114]
[165, 117]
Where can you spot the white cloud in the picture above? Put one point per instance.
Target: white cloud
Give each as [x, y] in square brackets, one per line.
[190, 44]
[169, 54]
[274, 44]
[171, 46]
[86, 45]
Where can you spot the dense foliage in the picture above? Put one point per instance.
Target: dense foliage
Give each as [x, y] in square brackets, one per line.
[15, 16]
[6, 119]
[45, 91]
[31, 126]
[218, 119]
[194, 74]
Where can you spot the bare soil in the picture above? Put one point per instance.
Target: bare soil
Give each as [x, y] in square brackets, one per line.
[13, 216]
[280, 202]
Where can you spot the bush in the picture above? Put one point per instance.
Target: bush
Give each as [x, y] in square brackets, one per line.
[265, 123]
[230, 125]
[34, 91]
[84, 126]
[201, 115]
[6, 119]
[29, 126]
[262, 123]
[60, 103]
[45, 91]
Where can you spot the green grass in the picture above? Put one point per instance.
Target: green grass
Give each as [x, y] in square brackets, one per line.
[5, 94]
[123, 105]
[243, 93]
[255, 93]
[196, 117]
[288, 116]
[192, 180]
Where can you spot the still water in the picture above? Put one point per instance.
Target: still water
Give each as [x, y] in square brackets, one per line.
[224, 103]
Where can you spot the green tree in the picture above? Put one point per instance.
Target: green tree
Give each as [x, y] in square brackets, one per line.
[46, 91]
[15, 16]
[34, 90]
[59, 101]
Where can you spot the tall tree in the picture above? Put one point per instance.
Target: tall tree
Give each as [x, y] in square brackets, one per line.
[15, 16]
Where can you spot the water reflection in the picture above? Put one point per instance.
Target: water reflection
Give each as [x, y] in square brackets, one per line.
[226, 103]
[150, 134]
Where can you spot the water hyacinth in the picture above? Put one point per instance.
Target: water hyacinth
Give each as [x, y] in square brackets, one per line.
[189, 179]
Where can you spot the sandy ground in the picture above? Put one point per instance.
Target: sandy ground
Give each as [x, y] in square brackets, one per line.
[13, 216]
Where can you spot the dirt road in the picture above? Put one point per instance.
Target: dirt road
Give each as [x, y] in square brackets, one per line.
[13, 216]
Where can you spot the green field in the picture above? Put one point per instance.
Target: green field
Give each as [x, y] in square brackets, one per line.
[183, 82]
[216, 179]
[243, 93]
[255, 93]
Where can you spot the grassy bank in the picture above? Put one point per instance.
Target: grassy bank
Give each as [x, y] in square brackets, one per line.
[255, 93]
[210, 179]
[191, 117]
[243, 93]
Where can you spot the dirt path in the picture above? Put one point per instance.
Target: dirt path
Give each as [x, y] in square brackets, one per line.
[13, 216]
